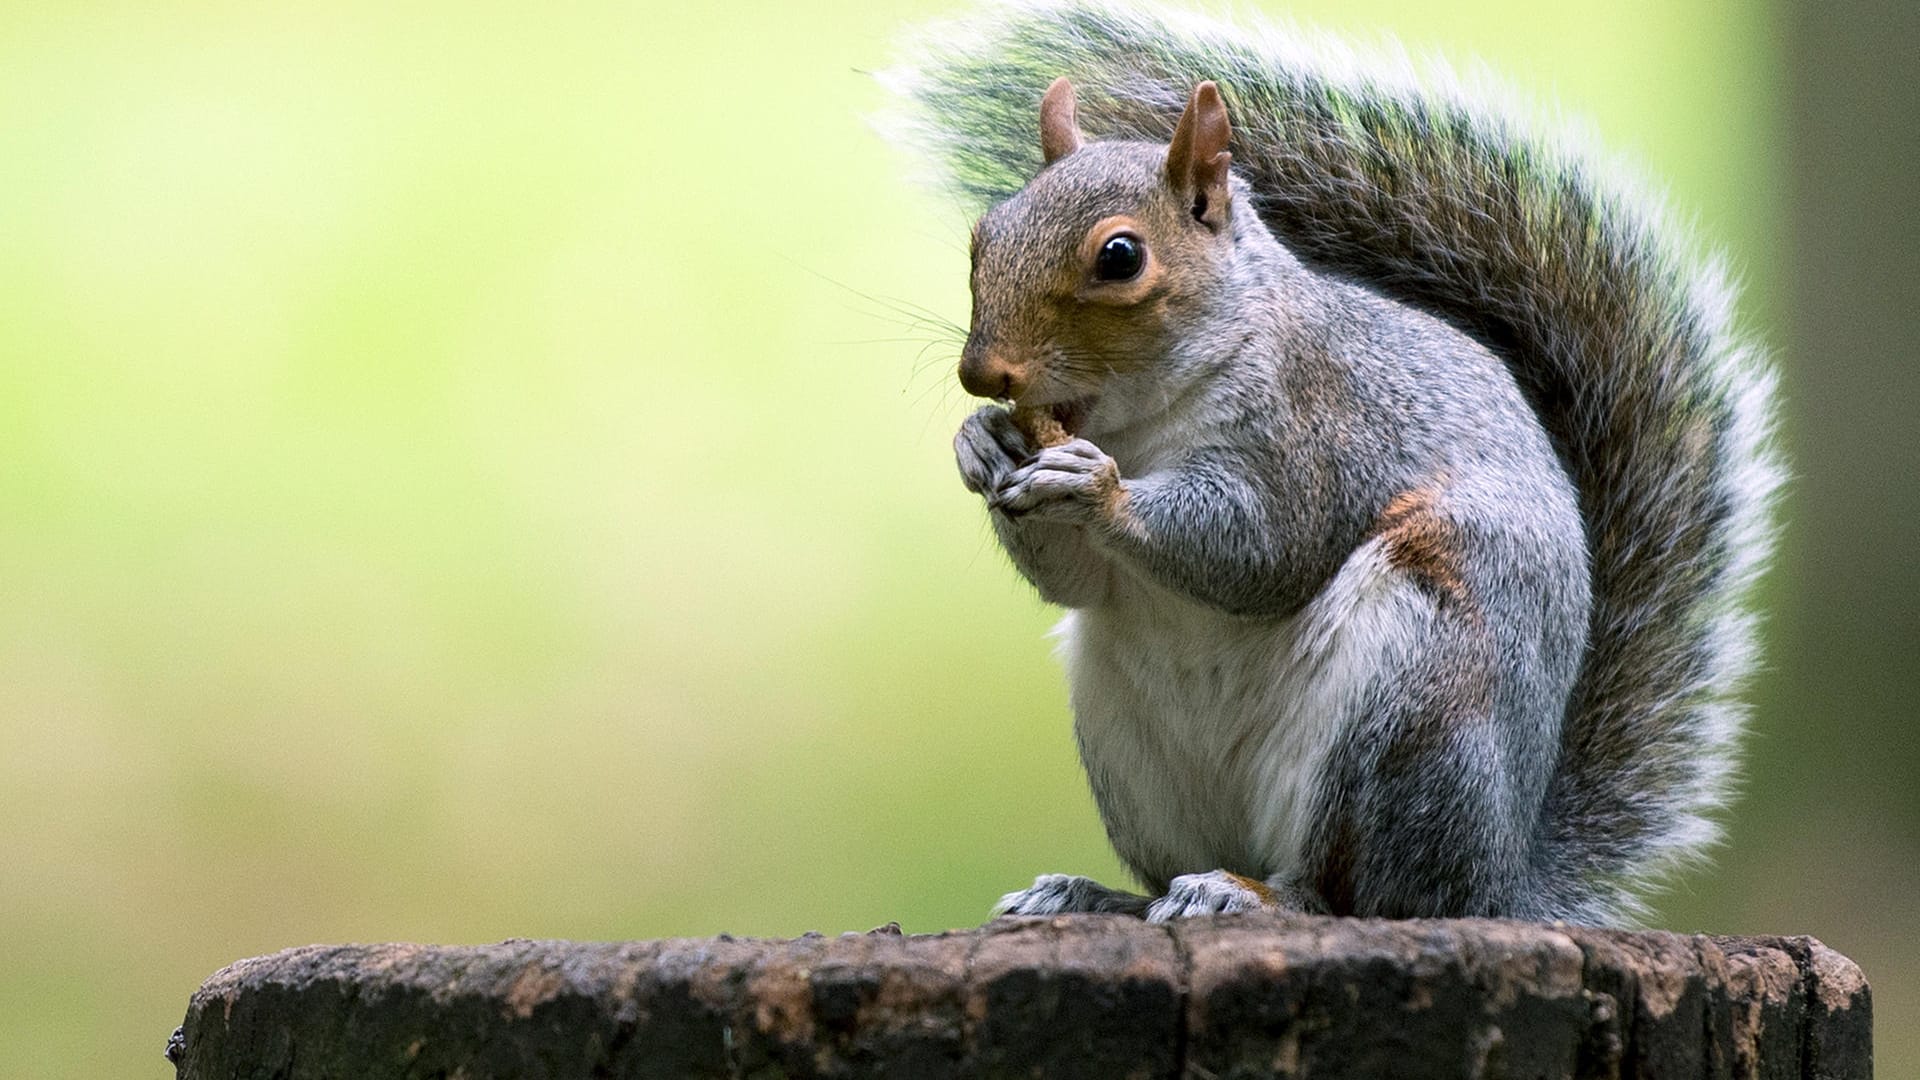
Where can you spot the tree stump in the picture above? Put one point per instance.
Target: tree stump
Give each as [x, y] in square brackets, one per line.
[1083, 996]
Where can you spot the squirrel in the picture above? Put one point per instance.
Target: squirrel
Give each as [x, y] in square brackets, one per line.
[1409, 479]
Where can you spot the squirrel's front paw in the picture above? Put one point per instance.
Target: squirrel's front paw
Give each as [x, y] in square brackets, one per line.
[1074, 482]
[988, 448]
[1062, 894]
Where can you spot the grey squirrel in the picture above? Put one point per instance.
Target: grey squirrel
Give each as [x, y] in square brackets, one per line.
[1398, 467]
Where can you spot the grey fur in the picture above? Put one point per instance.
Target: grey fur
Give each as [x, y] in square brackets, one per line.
[1458, 304]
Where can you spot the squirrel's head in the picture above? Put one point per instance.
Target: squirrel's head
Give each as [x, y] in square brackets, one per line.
[1096, 267]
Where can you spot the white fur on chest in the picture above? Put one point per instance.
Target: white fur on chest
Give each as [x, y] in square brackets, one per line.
[1205, 735]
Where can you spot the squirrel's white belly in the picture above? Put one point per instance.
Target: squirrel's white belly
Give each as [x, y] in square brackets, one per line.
[1205, 734]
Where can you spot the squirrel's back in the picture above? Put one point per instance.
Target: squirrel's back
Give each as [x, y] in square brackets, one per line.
[1616, 332]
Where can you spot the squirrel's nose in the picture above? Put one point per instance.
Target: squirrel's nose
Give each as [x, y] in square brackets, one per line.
[986, 372]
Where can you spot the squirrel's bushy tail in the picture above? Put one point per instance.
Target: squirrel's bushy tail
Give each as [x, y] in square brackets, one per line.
[1455, 203]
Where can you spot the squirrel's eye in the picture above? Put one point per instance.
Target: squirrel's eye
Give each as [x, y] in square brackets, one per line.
[1119, 259]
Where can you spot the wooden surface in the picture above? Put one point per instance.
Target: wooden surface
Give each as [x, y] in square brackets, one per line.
[1087, 996]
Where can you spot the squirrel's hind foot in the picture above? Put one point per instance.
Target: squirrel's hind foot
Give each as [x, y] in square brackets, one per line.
[1223, 892]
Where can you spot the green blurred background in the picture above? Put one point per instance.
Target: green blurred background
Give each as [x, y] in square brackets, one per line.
[451, 489]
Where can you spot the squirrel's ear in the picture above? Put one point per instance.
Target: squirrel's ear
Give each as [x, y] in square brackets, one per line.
[1197, 159]
[1059, 126]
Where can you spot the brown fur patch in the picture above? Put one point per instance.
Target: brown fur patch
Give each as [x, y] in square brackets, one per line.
[1256, 887]
[1423, 544]
[1451, 687]
[1118, 512]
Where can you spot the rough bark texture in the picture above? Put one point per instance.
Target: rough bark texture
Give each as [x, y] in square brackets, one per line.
[1088, 996]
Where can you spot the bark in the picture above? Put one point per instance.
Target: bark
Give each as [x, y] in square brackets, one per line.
[1086, 996]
